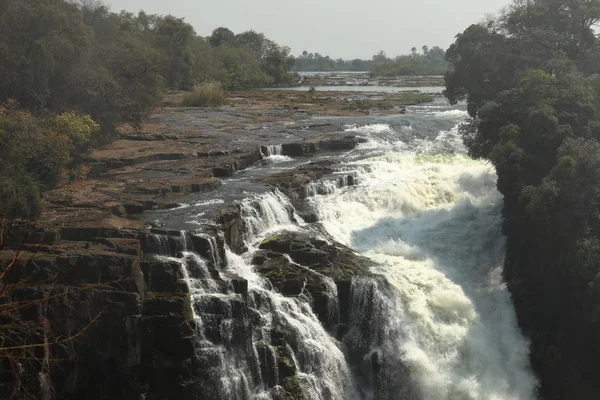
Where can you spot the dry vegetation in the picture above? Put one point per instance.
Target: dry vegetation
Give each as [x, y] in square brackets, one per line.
[210, 94]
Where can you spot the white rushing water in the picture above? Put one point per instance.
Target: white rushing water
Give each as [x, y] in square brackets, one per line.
[436, 324]
[273, 154]
[431, 218]
[239, 359]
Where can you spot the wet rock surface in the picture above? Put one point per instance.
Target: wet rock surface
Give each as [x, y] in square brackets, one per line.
[297, 262]
[181, 151]
[94, 242]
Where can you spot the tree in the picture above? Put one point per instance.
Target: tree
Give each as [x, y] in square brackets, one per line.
[222, 36]
[174, 38]
[478, 76]
[255, 42]
[532, 92]
[380, 57]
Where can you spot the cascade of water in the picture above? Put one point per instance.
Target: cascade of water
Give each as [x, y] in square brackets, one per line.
[271, 150]
[374, 339]
[273, 154]
[291, 331]
[210, 248]
[327, 187]
[434, 322]
[322, 187]
[267, 211]
[259, 344]
[432, 223]
[333, 304]
[157, 244]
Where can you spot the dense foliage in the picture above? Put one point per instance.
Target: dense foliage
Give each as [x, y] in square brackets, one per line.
[66, 64]
[34, 154]
[429, 62]
[310, 62]
[530, 81]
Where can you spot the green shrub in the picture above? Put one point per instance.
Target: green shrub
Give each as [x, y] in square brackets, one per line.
[19, 197]
[209, 94]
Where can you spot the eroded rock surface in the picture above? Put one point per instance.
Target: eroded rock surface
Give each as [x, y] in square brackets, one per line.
[91, 244]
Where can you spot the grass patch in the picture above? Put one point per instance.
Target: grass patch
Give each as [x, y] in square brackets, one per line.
[210, 94]
[413, 98]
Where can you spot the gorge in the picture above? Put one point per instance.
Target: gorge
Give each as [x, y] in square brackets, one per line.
[184, 216]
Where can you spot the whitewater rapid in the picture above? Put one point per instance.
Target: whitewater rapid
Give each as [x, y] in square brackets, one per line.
[436, 322]
[431, 218]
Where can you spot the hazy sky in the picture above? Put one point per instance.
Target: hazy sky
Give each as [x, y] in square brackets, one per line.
[338, 28]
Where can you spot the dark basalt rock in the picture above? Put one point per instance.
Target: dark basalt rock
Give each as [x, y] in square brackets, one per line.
[310, 260]
[163, 276]
[223, 171]
[328, 258]
[232, 225]
[240, 285]
[299, 149]
[345, 143]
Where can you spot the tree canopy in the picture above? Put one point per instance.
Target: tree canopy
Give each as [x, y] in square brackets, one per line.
[530, 81]
[431, 62]
[72, 71]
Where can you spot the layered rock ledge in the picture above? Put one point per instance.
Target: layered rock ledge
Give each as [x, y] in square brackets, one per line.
[91, 255]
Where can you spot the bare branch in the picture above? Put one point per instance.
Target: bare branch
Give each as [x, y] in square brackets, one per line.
[57, 341]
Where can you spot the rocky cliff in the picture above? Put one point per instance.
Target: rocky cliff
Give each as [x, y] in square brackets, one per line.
[104, 307]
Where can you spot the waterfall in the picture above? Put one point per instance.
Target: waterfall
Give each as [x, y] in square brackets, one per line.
[322, 187]
[157, 244]
[271, 150]
[258, 344]
[333, 304]
[434, 321]
[273, 154]
[432, 222]
[374, 337]
[264, 212]
[327, 187]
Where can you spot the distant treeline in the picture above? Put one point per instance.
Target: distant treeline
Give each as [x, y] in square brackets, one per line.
[429, 62]
[315, 62]
[71, 71]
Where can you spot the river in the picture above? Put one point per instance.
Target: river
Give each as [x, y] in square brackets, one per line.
[430, 217]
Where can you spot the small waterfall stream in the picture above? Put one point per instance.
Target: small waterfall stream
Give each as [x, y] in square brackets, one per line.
[257, 344]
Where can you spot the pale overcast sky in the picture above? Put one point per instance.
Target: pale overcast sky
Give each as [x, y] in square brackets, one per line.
[338, 28]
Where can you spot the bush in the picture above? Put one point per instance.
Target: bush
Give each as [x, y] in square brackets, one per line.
[209, 94]
[36, 153]
[19, 197]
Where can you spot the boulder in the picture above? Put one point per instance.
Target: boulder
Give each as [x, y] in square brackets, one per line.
[299, 149]
[336, 144]
[298, 264]
[232, 225]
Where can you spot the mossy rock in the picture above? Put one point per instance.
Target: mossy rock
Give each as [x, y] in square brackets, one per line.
[293, 388]
[312, 260]
[331, 259]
